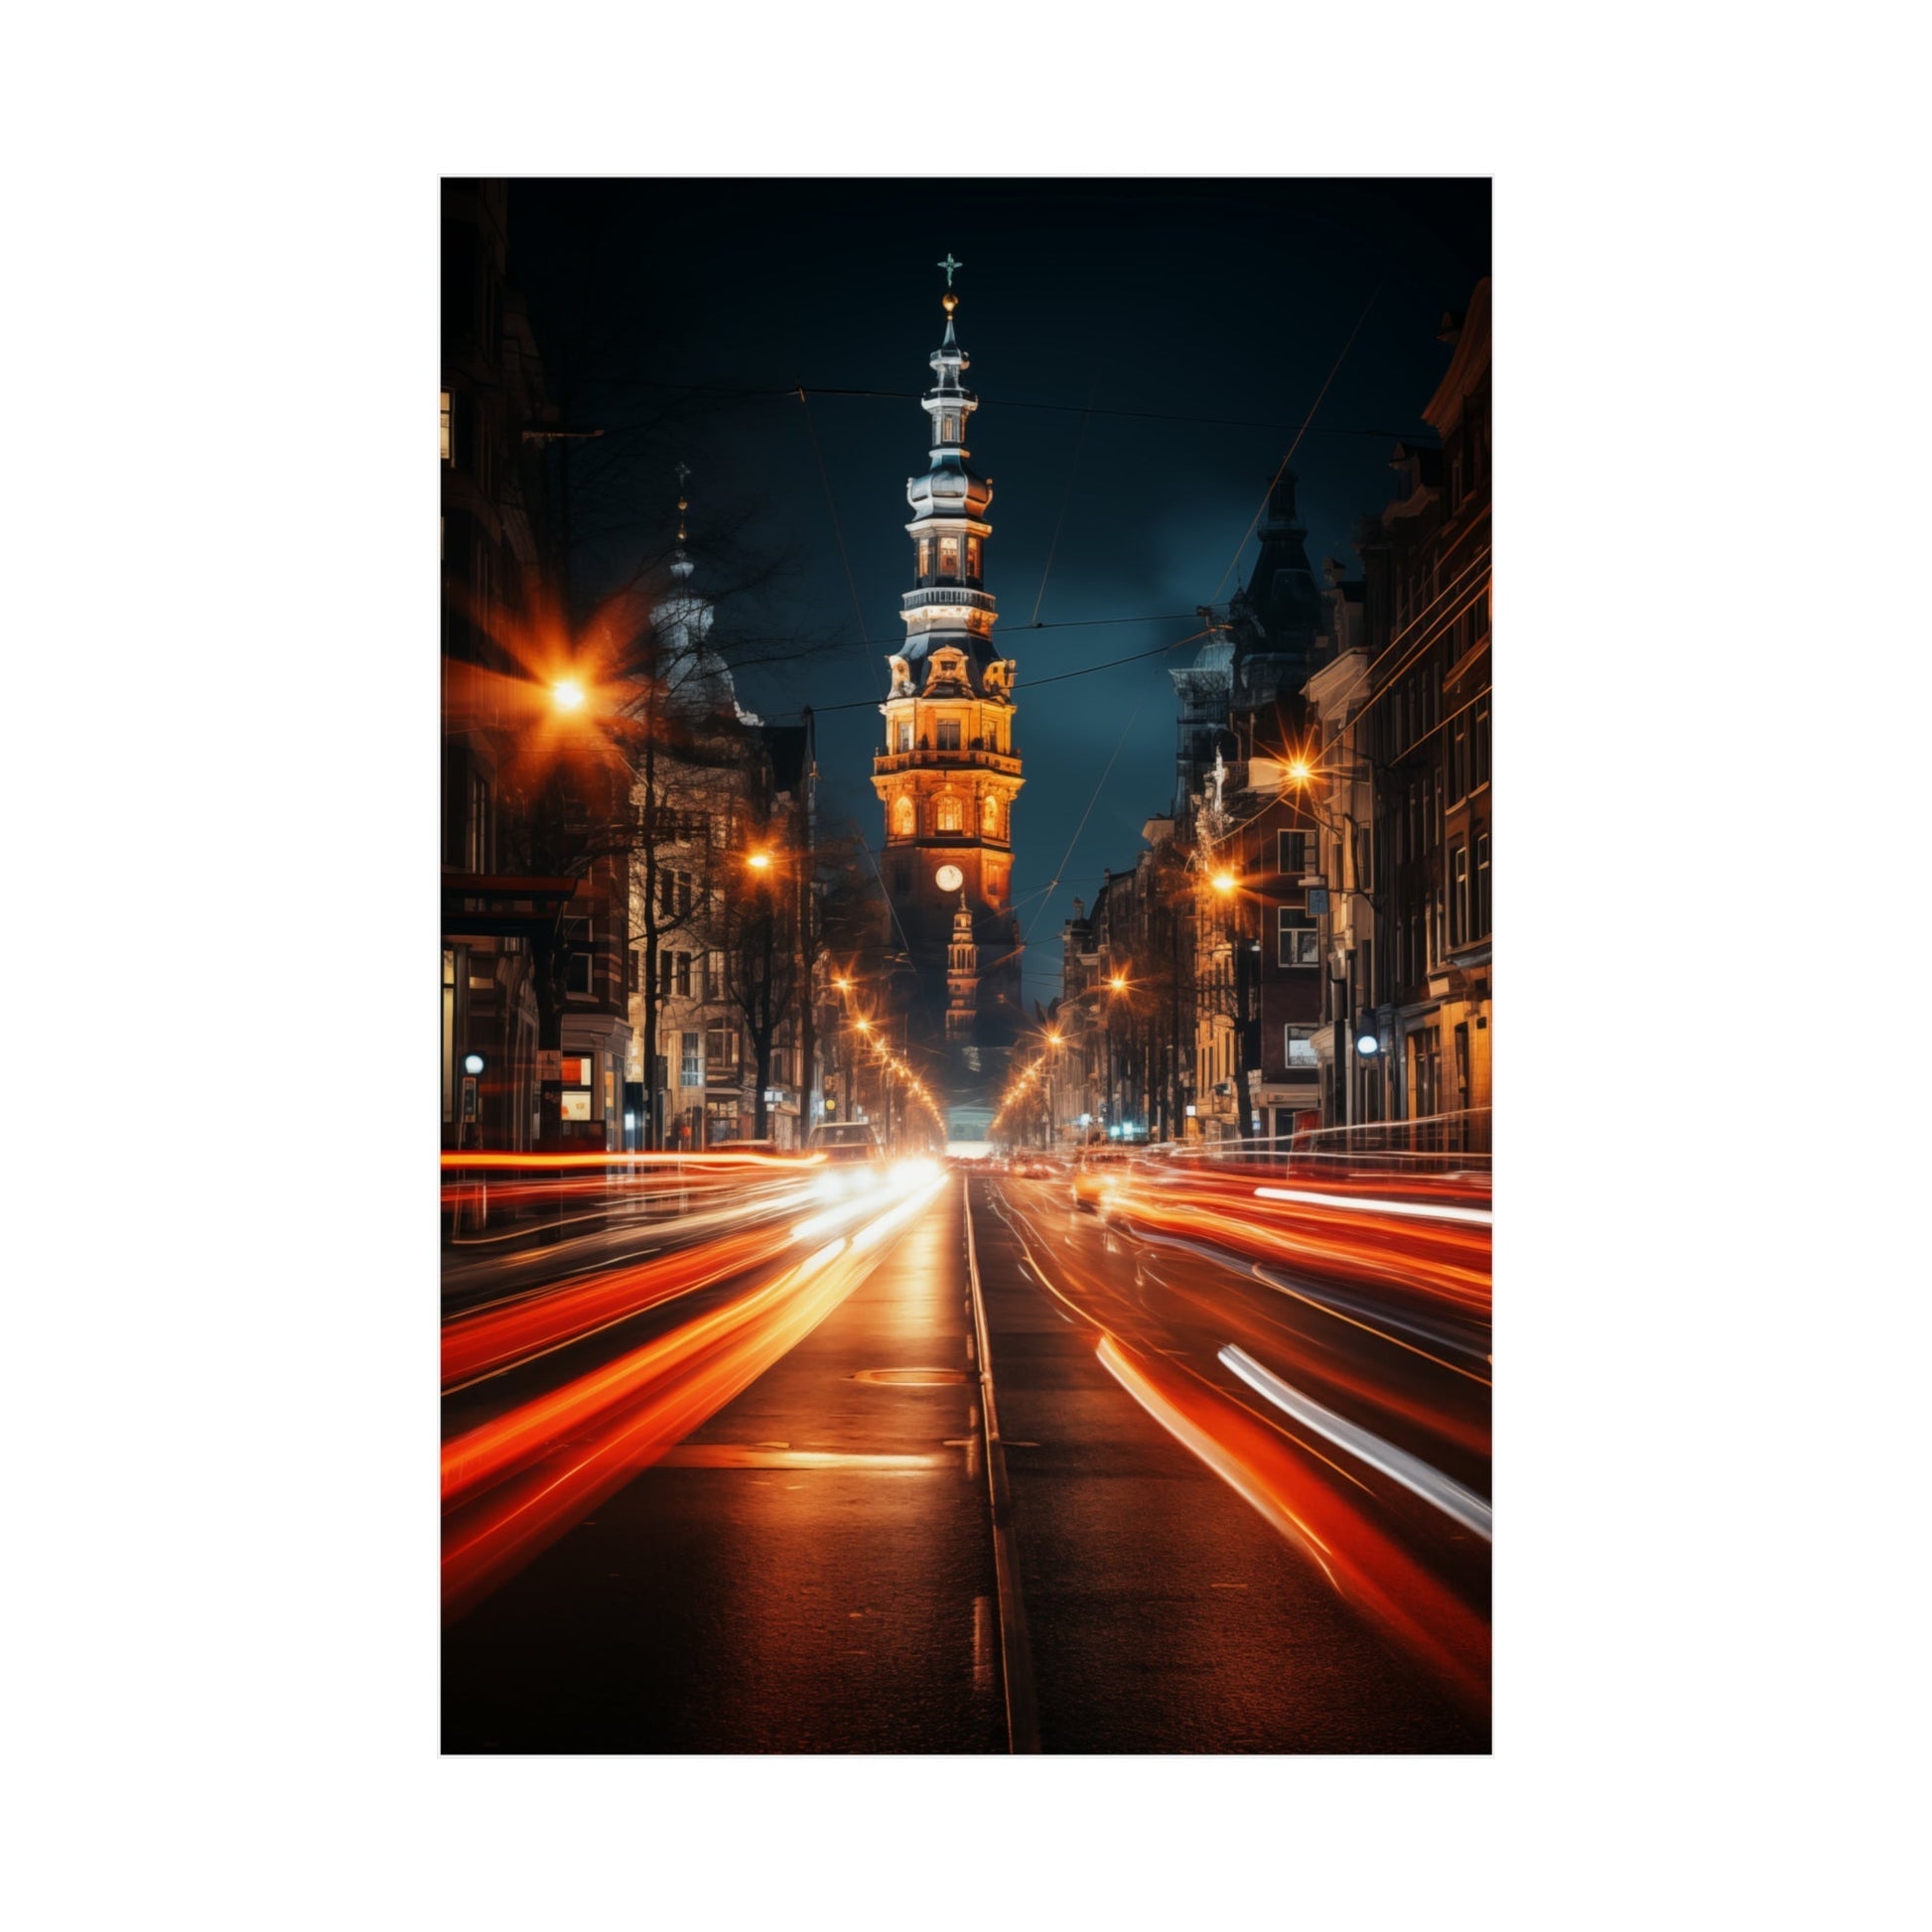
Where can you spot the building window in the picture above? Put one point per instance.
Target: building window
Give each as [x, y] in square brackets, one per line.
[714, 975]
[1297, 1047]
[990, 816]
[1296, 852]
[1298, 937]
[448, 441]
[903, 816]
[949, 556]
[449, 1032]
[925, 557]
[689, 1069]
[477, 854]
[1479, 743]
[1460, 761]
[1480, 929]
[973, 558]
[633, 971]
[949, 817]
[1424, 1050]
[948, 427]
[682, 975]
[903, 735]
[949, 734]
[673, 893]
[1458, 895]
[580, 974]
[721, 1052]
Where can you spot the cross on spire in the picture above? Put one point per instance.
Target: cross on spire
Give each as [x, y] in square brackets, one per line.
[949, 266]
[683, 475]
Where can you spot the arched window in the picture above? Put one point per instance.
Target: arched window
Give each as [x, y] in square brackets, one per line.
[990, 816]
[951, 818]
[903, 816]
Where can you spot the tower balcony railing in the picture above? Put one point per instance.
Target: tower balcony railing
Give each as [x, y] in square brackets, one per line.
[890, 762]
[930, 595]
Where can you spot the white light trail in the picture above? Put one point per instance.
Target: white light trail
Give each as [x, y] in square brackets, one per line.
[1421, 1210]
[1431, 1485]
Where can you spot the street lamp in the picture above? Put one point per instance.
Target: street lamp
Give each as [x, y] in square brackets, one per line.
[567, 694]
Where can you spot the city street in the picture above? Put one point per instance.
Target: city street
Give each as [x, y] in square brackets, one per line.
[1139, 1551]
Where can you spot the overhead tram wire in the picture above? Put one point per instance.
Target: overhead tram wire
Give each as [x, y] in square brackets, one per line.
[1032, 684]
[1056, 408]
[1234, 562]
[1052, 885]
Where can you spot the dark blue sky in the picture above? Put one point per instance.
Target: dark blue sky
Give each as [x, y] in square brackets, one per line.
[1172, 299]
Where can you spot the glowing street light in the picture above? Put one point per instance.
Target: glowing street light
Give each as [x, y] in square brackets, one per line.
[759, 861]
[567, 694]
[1300, 772]
[1223, 883]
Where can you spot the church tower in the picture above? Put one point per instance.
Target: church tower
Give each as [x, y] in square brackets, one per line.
[962, 976]
[949, 773]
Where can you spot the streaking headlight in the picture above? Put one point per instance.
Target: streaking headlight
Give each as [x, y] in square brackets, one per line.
[832, 1187]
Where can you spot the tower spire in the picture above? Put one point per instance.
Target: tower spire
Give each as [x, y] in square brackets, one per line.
[950, 771]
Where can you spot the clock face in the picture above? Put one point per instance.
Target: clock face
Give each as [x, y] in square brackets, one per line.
[949, 879]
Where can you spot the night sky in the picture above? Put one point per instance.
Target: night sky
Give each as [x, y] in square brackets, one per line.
[1190, 300]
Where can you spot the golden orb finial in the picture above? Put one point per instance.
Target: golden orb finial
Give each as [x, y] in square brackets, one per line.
[950, 302]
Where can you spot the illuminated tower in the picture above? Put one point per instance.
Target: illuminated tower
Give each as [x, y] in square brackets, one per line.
[962, 976]
[949, 773]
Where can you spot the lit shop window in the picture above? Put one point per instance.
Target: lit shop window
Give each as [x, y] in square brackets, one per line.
[449, 444]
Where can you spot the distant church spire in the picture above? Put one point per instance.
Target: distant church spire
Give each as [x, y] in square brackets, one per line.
[949, 773]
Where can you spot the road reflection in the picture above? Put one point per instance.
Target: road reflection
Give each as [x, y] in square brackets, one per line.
[563, 1390]
[1324, 1346]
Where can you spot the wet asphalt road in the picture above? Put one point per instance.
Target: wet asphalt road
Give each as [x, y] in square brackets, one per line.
[812, 1569]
